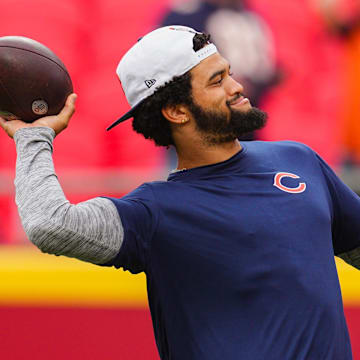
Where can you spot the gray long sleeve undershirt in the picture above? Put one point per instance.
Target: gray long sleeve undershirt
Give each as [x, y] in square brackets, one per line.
[90, 231]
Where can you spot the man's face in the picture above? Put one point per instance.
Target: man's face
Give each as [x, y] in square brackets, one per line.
[221, 112]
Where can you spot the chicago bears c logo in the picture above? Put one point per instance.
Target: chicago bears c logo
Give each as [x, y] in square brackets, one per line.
[296, 190]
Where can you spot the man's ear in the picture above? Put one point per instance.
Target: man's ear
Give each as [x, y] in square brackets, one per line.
[176, 114]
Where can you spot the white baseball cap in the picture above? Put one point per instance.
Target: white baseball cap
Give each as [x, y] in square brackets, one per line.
[154, 60]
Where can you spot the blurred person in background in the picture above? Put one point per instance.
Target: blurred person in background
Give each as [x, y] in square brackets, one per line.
[238, 245]
[343, 20]
[304, 106]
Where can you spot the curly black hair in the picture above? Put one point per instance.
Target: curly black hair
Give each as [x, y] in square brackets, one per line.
[148, 118]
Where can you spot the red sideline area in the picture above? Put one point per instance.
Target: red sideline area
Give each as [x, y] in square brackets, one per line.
[353, 319]
[73, 334]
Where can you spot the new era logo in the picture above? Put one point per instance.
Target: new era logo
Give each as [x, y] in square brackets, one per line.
[150, 83]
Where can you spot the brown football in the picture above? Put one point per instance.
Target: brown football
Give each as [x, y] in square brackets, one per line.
[33, 80]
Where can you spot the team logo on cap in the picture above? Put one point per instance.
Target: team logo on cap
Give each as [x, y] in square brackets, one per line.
[292, 190]
[150, 83]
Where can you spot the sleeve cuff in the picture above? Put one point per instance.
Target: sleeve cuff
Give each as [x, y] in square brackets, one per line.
[34, 133]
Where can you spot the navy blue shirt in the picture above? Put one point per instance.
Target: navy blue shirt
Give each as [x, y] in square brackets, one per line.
[239, 256]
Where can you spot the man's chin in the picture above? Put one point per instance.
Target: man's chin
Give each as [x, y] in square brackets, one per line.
[219, 127]
[245, 122]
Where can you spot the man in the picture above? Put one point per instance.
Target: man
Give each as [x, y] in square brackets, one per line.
[237, 245]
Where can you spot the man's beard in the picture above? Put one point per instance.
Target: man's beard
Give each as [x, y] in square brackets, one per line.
[216, 128]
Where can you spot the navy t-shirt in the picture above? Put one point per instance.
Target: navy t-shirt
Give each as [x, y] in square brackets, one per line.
[239, 256]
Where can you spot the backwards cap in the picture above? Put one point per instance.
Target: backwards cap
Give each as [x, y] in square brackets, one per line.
[155, 60]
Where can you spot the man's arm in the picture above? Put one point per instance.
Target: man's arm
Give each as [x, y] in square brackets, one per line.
[91, 230]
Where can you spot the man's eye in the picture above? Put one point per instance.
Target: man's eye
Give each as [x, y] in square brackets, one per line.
[219, 81]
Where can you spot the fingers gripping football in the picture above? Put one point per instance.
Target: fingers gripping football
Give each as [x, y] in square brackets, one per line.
[56, 122]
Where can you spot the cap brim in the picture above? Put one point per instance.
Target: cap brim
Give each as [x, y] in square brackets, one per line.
[128, 115]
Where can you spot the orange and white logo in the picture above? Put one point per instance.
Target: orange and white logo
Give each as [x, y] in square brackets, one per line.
[292, 190]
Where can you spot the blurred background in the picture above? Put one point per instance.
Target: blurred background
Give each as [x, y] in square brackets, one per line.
[299, 60]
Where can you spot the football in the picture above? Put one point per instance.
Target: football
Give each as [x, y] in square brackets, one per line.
[34, 82]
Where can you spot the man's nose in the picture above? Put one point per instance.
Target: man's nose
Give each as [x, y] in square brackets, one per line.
[234, 87]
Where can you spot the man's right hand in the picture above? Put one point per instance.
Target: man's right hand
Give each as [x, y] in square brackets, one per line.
[57, 122]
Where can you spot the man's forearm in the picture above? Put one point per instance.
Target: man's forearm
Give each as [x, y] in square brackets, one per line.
[90, 231]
